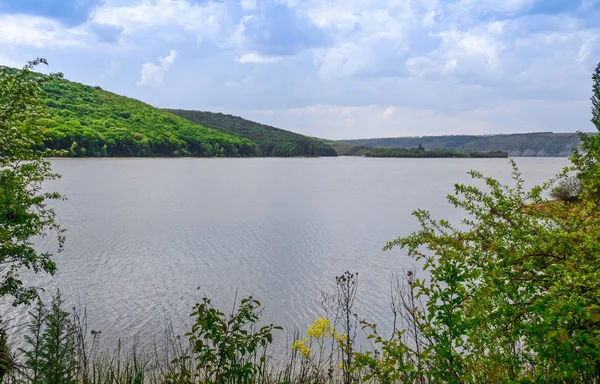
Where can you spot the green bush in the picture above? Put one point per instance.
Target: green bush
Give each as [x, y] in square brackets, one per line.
[568, 189]
[511, 295]
[226, 348]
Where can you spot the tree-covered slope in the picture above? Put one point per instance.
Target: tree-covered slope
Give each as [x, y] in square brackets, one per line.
[521, 144]
[272, 141]
[88, 121]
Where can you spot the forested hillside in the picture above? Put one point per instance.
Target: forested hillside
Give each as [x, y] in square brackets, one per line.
[521, 144]
[272, 141]
[88, 121]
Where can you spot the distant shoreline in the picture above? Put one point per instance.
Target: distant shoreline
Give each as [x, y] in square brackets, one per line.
[294, 157]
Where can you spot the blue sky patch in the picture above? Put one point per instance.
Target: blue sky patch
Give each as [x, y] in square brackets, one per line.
[69, 12]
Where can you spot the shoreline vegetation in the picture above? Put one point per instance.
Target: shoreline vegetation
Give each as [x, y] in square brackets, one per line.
[420, 152]
[536, 144]
[510, 294]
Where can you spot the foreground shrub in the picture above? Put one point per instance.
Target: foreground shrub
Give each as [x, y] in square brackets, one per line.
[512, 295]
[568, 189]
[226, 348]
[322, 352]
[50, 356]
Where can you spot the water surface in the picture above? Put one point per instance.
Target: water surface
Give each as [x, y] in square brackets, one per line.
[148, 237]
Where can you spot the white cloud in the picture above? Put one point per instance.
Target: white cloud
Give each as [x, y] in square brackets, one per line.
[9, 62]
[388, 112]
[508, 7]
[256, 58]
[205, 20]
[342, 60]
[351, 122]
[365, 35]
[39, 32]
[153, 74]
[588, 48]
[355, 122]
[588, 4]
[248, 5]
[467, 53]
[266, 112]
[238, 37]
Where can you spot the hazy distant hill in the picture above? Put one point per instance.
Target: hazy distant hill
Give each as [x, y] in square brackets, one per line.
[271, 141]
[520, 144]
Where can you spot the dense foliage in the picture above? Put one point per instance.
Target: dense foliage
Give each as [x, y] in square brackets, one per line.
[512, 294]
[24, 211]
[226, 348]
[421, 152]
[521, 144]
[569, 188]
[272, 141]
[88, 121]
[587, 161]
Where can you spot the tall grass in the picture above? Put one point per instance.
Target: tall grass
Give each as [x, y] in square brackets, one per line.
[230, 348]
[219, 348]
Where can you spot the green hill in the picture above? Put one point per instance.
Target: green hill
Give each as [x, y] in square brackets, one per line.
[88, 121]
[272, 141]
[520, 144]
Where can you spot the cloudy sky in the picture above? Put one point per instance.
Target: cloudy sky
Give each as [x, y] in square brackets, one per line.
[329, 68]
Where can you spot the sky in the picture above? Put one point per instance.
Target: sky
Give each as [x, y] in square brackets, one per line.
[337, 69]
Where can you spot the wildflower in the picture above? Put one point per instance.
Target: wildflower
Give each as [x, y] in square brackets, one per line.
[305, 351]
[298, 344]
[341, 365]
[301, 345]
[340, 337]
[320, 328]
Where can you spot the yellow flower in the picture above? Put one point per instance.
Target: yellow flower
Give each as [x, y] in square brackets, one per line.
[304, 350]
[339, 336]
[298, 344]
[320, 328]
[341, 365]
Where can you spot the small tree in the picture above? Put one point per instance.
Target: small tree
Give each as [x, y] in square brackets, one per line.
[57, 349]
[24, 210]
[5, 357]
[35, 342]
[586, 161]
